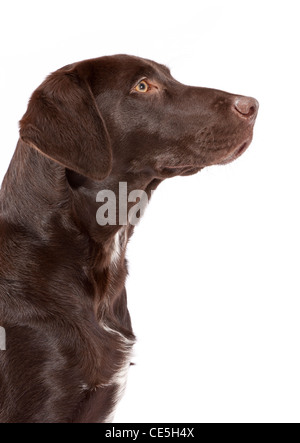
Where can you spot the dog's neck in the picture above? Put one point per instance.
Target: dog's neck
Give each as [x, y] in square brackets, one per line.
[66, 199]
[63, 192]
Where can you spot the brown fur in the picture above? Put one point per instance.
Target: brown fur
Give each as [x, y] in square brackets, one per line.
[62, 304]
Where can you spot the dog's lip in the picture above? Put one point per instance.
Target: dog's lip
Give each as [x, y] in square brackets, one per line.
[173, 171]
[192, 169]
[181, 168]
[236, 153]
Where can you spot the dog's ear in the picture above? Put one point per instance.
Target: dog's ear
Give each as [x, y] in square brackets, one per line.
[63, 122]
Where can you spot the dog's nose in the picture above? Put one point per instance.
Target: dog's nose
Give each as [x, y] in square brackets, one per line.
[246, 107]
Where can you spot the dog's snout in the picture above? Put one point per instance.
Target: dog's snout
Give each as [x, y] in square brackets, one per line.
[246, 107]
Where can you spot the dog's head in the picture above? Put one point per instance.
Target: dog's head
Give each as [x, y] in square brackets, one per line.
[129, 114]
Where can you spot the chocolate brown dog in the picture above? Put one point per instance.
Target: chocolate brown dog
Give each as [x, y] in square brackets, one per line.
[88, 127]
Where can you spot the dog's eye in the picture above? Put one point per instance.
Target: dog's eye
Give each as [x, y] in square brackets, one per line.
[142, 86]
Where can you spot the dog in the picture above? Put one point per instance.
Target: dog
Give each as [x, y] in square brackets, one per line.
[88, 127]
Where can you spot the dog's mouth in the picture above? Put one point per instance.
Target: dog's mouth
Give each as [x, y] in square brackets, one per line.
[184, 170]
[190, 171]
[171, 171]
[236, 153]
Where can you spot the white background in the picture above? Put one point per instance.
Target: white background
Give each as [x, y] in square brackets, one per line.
[214, 265]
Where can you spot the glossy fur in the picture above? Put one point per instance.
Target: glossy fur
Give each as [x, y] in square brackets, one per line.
[62, 276]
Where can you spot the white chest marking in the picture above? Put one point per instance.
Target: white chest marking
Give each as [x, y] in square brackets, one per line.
[118, 245]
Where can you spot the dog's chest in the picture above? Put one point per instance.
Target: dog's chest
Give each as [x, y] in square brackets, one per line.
[119, 379]
[123, 344]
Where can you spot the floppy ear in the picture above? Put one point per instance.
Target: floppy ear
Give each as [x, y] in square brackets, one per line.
[63, 122]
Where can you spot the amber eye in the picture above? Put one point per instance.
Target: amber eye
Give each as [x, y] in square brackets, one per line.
[142, 86]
